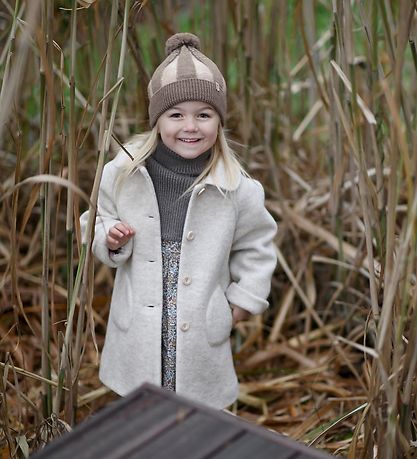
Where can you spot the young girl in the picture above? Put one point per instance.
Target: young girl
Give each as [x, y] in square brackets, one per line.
[190, 237]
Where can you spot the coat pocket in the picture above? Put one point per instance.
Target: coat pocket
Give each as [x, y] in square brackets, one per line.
[219, 319]
[121, 302]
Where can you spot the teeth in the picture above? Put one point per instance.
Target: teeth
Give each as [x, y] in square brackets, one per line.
[189, 140]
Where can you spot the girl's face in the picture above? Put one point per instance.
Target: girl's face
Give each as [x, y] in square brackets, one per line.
[189, 128]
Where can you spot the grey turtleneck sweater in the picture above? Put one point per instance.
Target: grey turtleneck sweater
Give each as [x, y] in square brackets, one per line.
[171, 175]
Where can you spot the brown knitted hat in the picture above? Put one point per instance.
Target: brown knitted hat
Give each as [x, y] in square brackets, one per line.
[185, 75]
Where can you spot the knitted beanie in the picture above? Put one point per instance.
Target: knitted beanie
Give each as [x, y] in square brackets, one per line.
[185, 75]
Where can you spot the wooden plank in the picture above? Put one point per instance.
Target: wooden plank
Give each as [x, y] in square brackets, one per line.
[152, 423]
[114, 428]
[195, 438]
[250, 446]
[223, 418]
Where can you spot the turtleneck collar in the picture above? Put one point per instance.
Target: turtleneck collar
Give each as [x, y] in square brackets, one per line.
[176, 163]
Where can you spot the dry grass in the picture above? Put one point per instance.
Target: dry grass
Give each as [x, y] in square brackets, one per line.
[322, 100]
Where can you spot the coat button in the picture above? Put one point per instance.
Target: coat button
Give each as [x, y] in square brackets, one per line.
[190, 236]
[186, 280]
[201, 191]
[185, 326]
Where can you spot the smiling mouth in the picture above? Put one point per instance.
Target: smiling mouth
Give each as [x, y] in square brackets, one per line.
[189, 140]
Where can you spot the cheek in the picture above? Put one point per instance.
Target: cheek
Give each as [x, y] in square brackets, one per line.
[162, 135]
[165, 134]
[212, 140]
[212, 135]
[165, 129]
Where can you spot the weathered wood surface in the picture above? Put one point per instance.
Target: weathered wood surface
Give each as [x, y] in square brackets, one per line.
[152, 423]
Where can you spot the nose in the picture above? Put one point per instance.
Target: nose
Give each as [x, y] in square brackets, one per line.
[190, 124]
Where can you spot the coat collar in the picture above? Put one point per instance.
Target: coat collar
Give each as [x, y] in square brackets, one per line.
[219, 177]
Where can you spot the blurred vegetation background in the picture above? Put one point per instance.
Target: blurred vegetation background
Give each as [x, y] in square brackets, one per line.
[322, 109]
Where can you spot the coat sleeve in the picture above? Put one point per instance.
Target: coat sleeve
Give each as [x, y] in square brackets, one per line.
[253, 256]
[106, 217]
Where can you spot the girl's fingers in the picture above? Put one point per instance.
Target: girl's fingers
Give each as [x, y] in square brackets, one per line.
[240, 314]
[131, 231]
[124, 228]
[111, 240]
[112, 244]
[120, 229]
[118, 235]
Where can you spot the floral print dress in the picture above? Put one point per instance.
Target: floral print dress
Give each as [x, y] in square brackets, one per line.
[171, 251]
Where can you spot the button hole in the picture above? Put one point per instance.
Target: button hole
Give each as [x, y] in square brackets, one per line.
[151, 306]
[151, 261]
[151, 216]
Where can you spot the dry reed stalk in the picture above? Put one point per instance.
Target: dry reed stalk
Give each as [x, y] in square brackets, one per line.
[391, 270]
[15, 70]
[72, 153]
[70, 197]
[81, 335]
[45, 152]
[346, 249]
[84, 256]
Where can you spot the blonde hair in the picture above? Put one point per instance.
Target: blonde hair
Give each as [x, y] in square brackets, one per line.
[146, 143]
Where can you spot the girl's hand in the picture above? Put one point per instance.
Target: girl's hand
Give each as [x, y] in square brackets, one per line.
[118, 235]
[239, 314]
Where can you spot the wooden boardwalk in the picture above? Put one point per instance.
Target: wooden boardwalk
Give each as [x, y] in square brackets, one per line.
[152, 423]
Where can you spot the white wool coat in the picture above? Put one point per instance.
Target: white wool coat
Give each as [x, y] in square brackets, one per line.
[227, 257]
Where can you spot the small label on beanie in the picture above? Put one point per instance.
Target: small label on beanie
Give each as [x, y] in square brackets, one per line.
[217, 86]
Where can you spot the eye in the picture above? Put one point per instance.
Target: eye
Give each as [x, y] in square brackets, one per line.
[204, 115]
[175, 115]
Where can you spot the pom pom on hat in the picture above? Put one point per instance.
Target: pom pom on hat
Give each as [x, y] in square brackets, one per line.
[186, 74]
[181, 39]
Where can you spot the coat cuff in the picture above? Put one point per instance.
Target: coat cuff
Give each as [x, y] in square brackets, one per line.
[238, 296]
[112, 259]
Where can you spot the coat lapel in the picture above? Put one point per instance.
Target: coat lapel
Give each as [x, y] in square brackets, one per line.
[219, 177]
